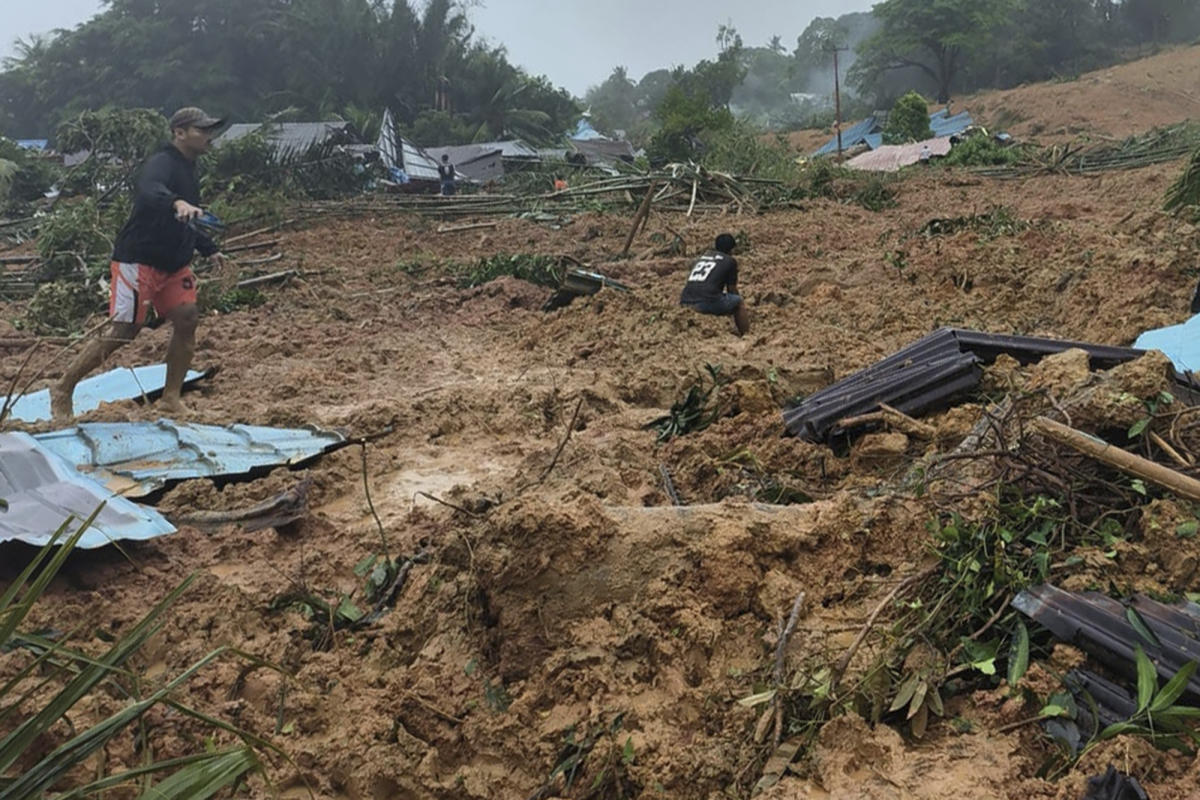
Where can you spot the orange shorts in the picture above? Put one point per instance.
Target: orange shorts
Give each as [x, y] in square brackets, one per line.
[136, 287]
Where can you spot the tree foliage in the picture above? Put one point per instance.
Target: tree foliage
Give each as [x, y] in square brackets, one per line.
[908, 121]
[247, 59]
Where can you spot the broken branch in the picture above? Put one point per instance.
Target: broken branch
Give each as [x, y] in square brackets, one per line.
[1182, 485]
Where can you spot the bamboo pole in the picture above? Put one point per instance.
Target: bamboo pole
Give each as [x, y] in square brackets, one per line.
[1183, 485]
[639, 218]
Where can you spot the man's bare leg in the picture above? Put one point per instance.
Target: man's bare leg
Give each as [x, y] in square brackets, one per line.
[179, 356]
[741, 319]
[62, 407]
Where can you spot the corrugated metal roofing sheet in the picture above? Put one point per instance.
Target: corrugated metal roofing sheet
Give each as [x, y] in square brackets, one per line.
[137, 458]
[396, 151]
[870, 131]
[123, 383]
[292, 137]
[945, 125]
[513, 148]
[603, 151]
[33, 144]
[474, 161]
[891, 157]
[929, 372]
[43, 492]
[1101, 626]
[852, 136]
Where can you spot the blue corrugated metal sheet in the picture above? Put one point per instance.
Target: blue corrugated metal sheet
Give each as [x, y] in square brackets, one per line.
[43, 492]
[945, 125]
[870, 131]
[33, 144]
[123, 383]
[136, 458]
[854, 135]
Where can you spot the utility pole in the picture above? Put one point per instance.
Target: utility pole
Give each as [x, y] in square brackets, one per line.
[837, 97]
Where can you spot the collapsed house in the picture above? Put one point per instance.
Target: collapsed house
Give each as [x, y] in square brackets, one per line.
[407, 163]
[478, 163]
[868, 133]
[289, 139]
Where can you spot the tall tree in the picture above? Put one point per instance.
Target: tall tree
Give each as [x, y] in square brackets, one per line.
[933, 36]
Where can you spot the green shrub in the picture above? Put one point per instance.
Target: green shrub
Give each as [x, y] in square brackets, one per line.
[60, 308]
[981, 151]
[740, 150]
[538, 269]
[908, 121]
[73, 242]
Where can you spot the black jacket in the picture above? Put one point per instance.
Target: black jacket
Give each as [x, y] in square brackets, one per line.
[153, 236]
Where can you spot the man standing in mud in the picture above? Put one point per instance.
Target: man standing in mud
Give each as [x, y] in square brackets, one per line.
[712, 288]
[151, 262]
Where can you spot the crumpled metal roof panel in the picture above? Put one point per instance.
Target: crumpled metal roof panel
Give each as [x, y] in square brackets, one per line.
[43, 492]
[139, 457]
[122, 383]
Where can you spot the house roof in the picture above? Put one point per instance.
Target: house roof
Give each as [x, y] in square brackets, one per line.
[870, 130]
[891, 157]
[512, 148]
[396, 151]
[475, 162]
[601, 151]
[292, 137]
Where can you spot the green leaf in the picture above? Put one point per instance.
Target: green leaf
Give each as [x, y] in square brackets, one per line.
[1187, 530]
[918, 699]
[1138, 427]
[1117, 728]
[348, 611]
[627, 754]
[1139, 486]
[905, 693]
[1147, 679]
[1173, 689]
[1143, 630]
[1182, 712]
[1052, 710]
[1018, 654]
[364, 566]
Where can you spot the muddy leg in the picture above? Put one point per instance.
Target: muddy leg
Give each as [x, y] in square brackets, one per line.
[741, 318]
[61, 394]
[179, 356]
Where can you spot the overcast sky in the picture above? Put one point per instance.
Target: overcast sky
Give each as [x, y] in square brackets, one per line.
[575, 43]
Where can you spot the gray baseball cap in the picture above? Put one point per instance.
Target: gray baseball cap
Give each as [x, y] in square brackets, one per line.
[192, 117]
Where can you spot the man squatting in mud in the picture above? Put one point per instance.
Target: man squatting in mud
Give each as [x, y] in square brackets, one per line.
[151, 262]
[712, 288]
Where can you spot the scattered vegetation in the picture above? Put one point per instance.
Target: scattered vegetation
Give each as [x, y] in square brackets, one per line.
[55, 679]
[696, 410]
[982, 151]
[541, 270]
[995, 222]
[1185, 191]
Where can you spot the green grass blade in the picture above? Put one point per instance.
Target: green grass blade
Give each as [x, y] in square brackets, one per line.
[1173, 689]
[113, 781]
[45, 574]
[204, 779]
[69, 755]
[21, 739]
[1147, 679]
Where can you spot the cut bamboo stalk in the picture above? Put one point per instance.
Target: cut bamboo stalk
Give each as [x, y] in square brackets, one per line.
[638, 218]
[1183, 485]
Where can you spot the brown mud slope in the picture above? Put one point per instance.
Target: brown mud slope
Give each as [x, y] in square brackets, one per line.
[565, 597]
[1108, 104]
